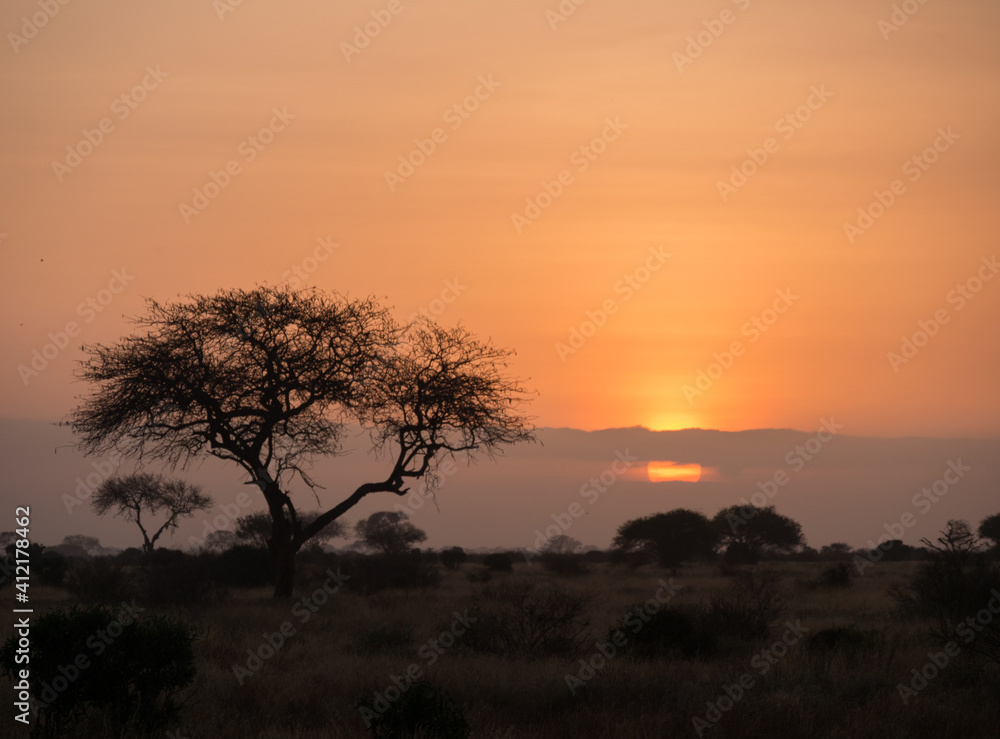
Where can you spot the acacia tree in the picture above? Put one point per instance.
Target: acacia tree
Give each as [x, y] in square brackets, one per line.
[749, 531]
[671, 537]
[389, 532]
[254, 529]
[130, 495]
[269, 378]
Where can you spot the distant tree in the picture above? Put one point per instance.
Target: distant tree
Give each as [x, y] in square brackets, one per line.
[958, 542]
[271, 378]
[989, 528]
[561, 544]
[132, 495]
[748, 532]
[388, 532]
[672, 537]
[836, 551]
[220, 541]
[89, 544]
[254, 529]
[7, 538]
[453, 558]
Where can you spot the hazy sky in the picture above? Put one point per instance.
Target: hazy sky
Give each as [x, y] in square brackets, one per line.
[672, 116]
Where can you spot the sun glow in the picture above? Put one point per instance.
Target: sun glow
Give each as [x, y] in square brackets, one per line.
[672, 422]
[673, 472]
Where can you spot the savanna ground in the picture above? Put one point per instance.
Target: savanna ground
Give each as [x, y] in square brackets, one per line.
[353, 645]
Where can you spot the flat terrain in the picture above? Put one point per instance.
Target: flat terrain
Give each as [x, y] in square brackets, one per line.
[351, 646]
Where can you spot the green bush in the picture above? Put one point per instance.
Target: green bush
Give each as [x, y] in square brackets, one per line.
[119, 666]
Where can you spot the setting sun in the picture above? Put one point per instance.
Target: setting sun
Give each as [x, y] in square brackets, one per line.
[673, 472]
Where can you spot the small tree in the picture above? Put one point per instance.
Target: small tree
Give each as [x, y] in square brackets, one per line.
[671, 537]
[989, 528]
[389, 532]
[220, 541]
[89, 544]
[561, 544]
[254, 529]
[131, 495]
[453, 558]
[751, 531]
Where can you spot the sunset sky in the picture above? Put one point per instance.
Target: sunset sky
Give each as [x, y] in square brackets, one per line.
[531, 100]
[567, 184]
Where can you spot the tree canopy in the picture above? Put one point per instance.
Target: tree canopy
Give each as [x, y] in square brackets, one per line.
[271, 378]
[671, 537]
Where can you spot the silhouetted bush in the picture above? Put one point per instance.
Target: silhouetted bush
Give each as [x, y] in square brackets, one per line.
[171, 577]
[498, 562]
[244, 567]
[840, 575]
[384, 639]
[596, 556]
[480, 574]
[101, 580]
[371, 574]
[453, 558]
[119, 667]
[749, 606]
[422, 710]
[664, 633]
[738, 553]
[52, 568]
[528, 620]
[567, 565]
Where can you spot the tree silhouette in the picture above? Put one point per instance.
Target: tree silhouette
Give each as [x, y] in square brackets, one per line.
[989, 528]
[389, 532]
[671, 537]
[751, 531]
[269, 379]
[130, 495]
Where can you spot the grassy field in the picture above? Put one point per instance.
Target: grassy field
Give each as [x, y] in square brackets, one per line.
[348, 648]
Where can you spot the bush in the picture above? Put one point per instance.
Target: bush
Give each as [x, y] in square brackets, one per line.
[171, 577]
[372, 574]
[453, 558]
[244, 567]
[569, 565]
[52, 569]
[101, 580]
[528, 620]
[838, 576]
[130, 680]
[667, 632]
[498, 563]
[480, 574]
[749, 607]
[423, 710]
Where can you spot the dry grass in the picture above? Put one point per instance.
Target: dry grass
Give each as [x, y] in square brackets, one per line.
[312, 686]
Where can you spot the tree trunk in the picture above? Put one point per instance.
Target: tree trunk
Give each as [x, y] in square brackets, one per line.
[284, 562]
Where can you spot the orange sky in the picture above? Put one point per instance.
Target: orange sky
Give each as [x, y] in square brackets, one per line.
[446, 233]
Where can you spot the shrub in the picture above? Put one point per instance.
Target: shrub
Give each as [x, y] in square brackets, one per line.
[423, 710]
[749, 607]
[101, 580]
[453, 558]
[377, 572]
[52, 569]
[527, 619]
[838, 576]
[176, 578]
[480, 574]
[244, 567]
[570, 565]
[130, 679]
[666, 632]
[498, 562]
